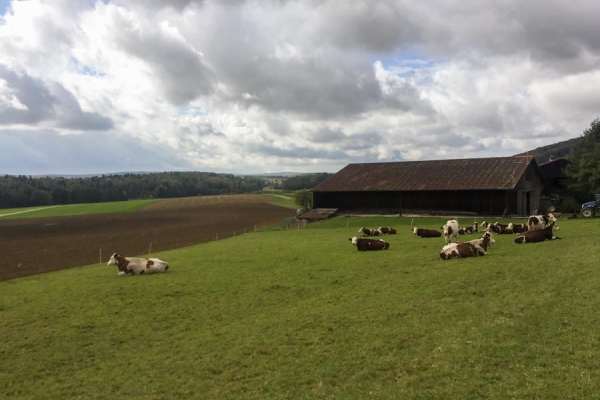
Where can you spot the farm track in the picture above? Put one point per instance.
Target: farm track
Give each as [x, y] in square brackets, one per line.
[38, 245]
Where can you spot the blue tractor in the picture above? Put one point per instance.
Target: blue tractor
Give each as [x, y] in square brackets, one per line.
[589, 209]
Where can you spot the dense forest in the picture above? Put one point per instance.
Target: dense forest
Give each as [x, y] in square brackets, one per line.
[25, 191]
[307, 181]
[556, 150]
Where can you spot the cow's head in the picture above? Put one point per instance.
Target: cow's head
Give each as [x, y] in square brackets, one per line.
[354, 240]
[415, 230]
[113, 260]
[118, 260]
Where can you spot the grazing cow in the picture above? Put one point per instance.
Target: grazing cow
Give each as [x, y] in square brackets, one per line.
[369, 232]
[539, 221]
[137, 266]
[458, 250]
[503, 229]
[538, 235]
[426, 233]
[469, 229]
[386, 230]
[519, 228]
[369, 244]
[450, 230]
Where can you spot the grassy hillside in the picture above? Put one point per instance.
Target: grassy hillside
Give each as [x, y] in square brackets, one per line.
[300, 314]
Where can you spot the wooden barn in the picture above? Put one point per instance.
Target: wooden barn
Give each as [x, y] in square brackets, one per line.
[484, 186]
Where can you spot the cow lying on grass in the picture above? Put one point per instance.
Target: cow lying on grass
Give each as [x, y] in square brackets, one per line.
[387, 230]
[472, 248]
[469, 229]
[369, 232]
[363, 244]
[137, 266]
[538, 235]
[426, 233]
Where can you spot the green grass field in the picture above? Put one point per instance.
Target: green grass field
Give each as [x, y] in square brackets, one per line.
[300, 314]
[73, 209]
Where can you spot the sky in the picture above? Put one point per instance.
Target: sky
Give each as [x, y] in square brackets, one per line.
[251, 87]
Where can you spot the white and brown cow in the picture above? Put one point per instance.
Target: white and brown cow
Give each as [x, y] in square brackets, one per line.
[503, 229]
[472, 248]
[469, 229]
[539, 221]
[137, 266]
[450, 230]
[458, 250]
[538, 235]
[363, 244]
[483, 243]
[519, 228]
[386, 230]
[369, 232]
[426, 233]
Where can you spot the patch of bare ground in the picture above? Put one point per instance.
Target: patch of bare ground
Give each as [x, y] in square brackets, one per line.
[208, 200]
[37, 245]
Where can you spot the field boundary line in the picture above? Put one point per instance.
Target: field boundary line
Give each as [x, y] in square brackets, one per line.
[26, 211]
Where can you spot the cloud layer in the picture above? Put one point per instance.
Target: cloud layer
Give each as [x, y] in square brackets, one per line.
[271, 86]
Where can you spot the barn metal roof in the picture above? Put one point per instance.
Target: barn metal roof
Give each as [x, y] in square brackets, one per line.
[497, 173]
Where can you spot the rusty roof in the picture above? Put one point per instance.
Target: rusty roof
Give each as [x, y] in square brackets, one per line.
[318, 213]
[495, 173]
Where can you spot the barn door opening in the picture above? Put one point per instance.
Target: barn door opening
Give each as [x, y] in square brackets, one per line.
[527, 203]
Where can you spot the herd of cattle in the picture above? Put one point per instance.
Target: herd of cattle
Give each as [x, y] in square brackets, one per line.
[538, 229]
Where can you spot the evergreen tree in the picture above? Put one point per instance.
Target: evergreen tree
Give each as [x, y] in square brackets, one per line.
[585, 168]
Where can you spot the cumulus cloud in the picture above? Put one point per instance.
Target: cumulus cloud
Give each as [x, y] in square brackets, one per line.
[28, 101]
[257, 86]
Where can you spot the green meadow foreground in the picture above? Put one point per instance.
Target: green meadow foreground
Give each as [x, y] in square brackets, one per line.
[300, 314]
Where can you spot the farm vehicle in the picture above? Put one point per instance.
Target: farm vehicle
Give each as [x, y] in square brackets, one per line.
[589, 209]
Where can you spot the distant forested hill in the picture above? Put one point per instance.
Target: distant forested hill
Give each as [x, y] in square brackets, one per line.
[556, 150]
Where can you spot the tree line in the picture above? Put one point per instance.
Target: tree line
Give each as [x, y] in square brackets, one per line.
[584, 169]
[27, 191]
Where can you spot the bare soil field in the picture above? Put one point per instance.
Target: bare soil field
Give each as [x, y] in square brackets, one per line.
[37, 245]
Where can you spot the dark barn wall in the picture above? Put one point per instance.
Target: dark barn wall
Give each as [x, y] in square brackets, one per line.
[491, 202]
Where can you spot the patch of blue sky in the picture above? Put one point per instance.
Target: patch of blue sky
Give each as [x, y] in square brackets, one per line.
[190, 111]
[4, 6]
[92, 3]
[85, 69]
[406, 63]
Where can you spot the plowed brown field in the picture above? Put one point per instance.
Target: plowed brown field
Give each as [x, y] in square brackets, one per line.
[32, 246]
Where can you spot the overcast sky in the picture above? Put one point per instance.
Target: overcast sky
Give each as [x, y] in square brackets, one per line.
[302, 86]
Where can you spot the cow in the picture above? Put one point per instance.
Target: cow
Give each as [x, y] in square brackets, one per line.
[519, 228]
[539, 221]
[472, 248]
[137, 266]
[485, 225]
[369, 232]
[469, 229]
[450, 230]
[538, 235]
[386, 230]
[502, 228]
[458, 250]
[483, 243]
[426, 233]
[363, 244]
